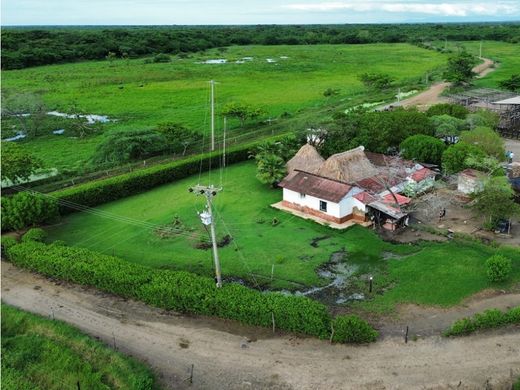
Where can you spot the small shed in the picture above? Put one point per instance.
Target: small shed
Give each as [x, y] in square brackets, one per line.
[470, 181]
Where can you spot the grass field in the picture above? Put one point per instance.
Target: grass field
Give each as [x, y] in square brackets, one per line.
[429, 273]
[38, 353]
[506, 54]
[139, 95]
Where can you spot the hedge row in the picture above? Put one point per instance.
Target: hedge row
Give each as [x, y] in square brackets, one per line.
[27, 209]
[188, 293]
[102, 191]
[489, 319]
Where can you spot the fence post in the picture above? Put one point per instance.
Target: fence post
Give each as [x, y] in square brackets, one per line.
[78, 386]
[406, 335]
[274, 325]
[191, 374]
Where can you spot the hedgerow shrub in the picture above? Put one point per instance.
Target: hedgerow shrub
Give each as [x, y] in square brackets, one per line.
[27, 209]
[489, 319]
[352, 329]
[185, 292]
[498, 268]
[8, 242]
[34, 234]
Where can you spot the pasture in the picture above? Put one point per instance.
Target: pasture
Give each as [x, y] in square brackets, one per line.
[272, 249]
[39, 353]
[138, 95]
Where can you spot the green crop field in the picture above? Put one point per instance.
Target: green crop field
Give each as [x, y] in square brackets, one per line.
[138, 95]
[38, 353]
[428, 273]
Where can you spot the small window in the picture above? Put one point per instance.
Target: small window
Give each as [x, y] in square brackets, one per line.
[323, 206]
[302, 196]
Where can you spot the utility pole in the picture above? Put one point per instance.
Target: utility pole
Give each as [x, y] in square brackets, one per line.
[224, 144]
[212, 84]
[208, 220]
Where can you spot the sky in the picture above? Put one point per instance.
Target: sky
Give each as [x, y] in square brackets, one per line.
[168, 12]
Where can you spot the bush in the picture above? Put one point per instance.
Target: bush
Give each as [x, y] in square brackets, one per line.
[423, 148]
[34, 234]
[454, 110]
[27, 209]
[489, 319]
[7, 242]
[185, 292]
[352, 329]
[498, 268]
[162, 58]
[454, 158]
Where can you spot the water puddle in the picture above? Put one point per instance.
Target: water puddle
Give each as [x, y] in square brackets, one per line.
[91, 118]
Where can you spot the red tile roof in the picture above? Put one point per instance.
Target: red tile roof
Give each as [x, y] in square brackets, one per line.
[472, 173]
[401, 199]
[317, 186]
[364, 197]
[422, 174]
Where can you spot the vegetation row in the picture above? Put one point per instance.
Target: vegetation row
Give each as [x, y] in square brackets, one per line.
[25, 47]
[188, 293]
[489, 319]
[39, 353]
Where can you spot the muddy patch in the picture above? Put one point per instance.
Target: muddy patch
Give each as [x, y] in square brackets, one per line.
[316, 240]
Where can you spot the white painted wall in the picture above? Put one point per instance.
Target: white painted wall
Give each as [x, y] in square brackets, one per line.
[312, 202]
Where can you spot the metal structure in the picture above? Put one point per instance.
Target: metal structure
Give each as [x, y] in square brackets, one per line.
[505, 104]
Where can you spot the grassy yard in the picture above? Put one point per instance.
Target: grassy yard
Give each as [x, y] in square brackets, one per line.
[428, 273]
[139, 95]
[38, 353]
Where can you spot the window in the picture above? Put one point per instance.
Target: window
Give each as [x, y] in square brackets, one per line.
[302, 196]
[323, 206]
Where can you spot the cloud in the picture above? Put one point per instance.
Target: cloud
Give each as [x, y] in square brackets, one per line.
[445, 9]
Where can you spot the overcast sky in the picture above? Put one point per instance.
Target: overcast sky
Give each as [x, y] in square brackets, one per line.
[111, 12]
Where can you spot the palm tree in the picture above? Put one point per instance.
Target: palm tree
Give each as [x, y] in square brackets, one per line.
[271, 169]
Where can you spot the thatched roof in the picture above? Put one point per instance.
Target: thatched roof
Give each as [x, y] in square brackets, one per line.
[349, 167]
[306, 159]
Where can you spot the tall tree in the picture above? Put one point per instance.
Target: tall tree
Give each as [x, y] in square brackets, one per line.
[27, 108]
[460, 69]
[17, 164]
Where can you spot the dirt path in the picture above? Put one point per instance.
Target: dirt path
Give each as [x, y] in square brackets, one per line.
[433, 94]
[225, 360]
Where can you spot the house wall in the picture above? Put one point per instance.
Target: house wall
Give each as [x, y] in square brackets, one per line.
[469, 185]
[333, 209]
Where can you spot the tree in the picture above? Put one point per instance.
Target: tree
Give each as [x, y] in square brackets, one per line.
[486, 139]
[484, 118]
[79, 125]
[27, 108]
[454, 110]
[511, 84]
[378, 81]
[495, 201]
[460, 69]
[17, 164]
[447, 127]
[241, 112]
[423, 148]
[124, 146]
[179, 137]
[454, 158]
[271, 169]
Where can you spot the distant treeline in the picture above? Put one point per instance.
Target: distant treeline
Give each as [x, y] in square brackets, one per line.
[24, 47]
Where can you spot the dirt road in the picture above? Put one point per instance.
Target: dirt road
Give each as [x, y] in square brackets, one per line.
[433, 94]
[224, 359]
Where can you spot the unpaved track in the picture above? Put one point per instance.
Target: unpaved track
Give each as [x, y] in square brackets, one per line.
[271, 362]
[433, 94]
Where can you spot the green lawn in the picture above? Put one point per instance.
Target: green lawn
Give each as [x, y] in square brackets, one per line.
[140, 95]
[429, 273]
[38, 353]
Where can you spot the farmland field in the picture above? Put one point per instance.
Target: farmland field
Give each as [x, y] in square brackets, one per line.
[138, 95]
[447, 272]
[38, 353]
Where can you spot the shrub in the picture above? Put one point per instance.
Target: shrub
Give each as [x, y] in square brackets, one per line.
[34, 234]
[498, 268]
[27, 209]
[352, 329]
[454, 110]
[454, 158]
[423, 148]
[489, 319]
[187, 293]
[8, 242]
